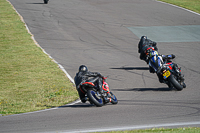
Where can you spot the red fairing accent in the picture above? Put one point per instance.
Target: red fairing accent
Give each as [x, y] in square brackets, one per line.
[105, 87]
[170, 67]
[104, 78]
[169, 63]
[88, 83]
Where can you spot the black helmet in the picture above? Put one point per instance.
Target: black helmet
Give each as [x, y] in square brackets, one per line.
[145, 37]
[83, 68]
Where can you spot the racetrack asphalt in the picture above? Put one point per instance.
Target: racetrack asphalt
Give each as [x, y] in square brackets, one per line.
[102, 35]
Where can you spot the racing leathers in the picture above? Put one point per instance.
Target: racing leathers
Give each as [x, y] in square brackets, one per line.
[145, 46]
[82, 77]
[153, 67]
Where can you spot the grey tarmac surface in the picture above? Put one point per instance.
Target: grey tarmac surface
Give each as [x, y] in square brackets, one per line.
[97, 33]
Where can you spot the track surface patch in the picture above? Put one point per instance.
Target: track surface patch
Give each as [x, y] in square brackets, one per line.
[186, 33]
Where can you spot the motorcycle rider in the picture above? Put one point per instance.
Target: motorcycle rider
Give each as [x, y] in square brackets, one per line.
[145, 46]
[82, 76]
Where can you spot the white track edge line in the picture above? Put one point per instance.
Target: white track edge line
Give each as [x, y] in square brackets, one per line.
[134, 127]
[60, 66]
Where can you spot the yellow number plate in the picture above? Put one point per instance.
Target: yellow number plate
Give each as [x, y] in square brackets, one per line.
[166, 74]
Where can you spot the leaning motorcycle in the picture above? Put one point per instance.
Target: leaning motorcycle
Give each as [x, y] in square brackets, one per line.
[166, 70]
[92, 92]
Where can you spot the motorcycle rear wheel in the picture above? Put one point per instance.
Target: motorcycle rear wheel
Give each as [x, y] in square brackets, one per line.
[175, 83]
[92, 95]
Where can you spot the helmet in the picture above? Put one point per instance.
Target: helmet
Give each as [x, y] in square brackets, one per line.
[153, 53]
[83, 68]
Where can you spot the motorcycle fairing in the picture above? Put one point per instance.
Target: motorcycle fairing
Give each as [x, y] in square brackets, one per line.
[155, 62]
[105, 87]
[88, 83]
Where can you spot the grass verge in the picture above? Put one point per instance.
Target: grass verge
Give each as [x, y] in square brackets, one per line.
[193, 5]
[29, 79]
[162, 130]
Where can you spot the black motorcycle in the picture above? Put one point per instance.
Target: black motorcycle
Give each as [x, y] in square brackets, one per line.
[91, 90]
[167, 71]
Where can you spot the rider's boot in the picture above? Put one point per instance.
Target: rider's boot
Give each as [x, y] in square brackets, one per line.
[178, 70]
[83, 100]
[184, 85]
[160, 78]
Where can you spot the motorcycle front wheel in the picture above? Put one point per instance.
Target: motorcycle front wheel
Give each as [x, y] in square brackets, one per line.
[113, 98]
[94, 98]
[175, 83]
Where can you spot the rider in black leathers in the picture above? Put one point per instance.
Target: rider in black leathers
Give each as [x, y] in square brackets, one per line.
[144, 46]
[82, 76]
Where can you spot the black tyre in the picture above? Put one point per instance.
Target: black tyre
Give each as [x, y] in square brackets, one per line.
[175, 83]
[94, 98]
[113, 98]
[170, 85]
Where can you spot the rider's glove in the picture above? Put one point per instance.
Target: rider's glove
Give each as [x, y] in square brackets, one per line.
[98, 74]
[173, 56]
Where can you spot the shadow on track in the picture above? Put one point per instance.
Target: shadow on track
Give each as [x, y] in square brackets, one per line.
[146, 89]
[82, 105]
[132, 68]
[36, 3]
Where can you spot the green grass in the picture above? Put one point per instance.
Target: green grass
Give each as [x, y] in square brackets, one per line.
[29, 79]
[193, 5]
[162, 130]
